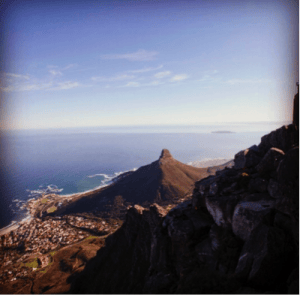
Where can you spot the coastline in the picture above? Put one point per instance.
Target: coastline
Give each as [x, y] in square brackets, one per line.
[7, 229]
[97, 180]
[110, 180]
[14, 225]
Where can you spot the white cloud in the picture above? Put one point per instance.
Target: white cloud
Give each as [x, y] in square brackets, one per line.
[15, 82]
[178, 78]
[58, 72]
[140, 55]
[69, 66]
[111, 79]
[162, 74]
[55, 73]
[133, 84]
[27, 87]
[137, 84]
[145, 70]
[154, 83]
[37, 86]
[41, 86]
[66, 85]
[205, 78]
[26, 77]
[246, 81]
[8, 88]
[209, 76]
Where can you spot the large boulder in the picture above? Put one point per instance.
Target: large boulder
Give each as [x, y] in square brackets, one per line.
[283, 138]
[158, 277]
[247, 158]
[226, 247]
[181, 225]
[283, 221]
[221, 209]
[215, 235]
[206, 255]
[201, 222]
[180, 229]
[270, 161]
[288, 184]
[249, 213]
[258, 185]
[202, 188]
[275, 189]
[288, 169]
[293, 280]
[262, 258]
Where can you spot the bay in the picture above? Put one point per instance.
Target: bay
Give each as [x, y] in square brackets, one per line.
[79, 159]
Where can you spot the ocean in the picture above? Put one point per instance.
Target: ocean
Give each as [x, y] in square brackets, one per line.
[68, 161]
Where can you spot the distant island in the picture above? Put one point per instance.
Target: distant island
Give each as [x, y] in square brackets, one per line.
[225, 131]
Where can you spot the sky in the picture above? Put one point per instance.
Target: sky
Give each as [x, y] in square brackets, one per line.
[131, 63]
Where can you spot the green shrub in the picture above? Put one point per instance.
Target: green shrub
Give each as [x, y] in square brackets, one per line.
[91, 237]
[52, 253]
[32, 264]
[52, 209]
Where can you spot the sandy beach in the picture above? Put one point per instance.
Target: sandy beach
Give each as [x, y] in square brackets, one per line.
[14, 226]
[9, 228]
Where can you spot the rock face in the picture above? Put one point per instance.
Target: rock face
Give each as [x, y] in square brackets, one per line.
[296, 109]
[238, 234]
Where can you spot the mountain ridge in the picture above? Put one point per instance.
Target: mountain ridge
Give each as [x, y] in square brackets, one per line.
[162, 180]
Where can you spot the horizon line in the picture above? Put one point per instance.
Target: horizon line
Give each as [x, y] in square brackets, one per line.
[146, 125]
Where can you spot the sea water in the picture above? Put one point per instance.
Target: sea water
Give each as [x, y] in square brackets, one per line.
[67, 161]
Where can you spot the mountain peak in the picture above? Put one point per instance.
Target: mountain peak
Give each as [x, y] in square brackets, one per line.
[165, 154]
[161, 180]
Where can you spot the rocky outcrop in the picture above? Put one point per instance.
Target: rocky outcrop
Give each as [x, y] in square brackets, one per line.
[264, 192]
[296, 116]
[165, 179]
[238, 234]
[283, 138]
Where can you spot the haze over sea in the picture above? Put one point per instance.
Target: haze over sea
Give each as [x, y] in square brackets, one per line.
[74, 160]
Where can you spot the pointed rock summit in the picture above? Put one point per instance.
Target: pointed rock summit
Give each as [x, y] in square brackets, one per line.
[165, 154]
[165, 157]
[163, 179]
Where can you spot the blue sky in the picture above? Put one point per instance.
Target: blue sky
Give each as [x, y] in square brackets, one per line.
[106, 63]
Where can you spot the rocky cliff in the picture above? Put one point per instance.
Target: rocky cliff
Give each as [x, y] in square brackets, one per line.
[238, 234]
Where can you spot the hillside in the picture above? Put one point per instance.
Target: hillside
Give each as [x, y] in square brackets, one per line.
[163, 180]
[45, 253]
